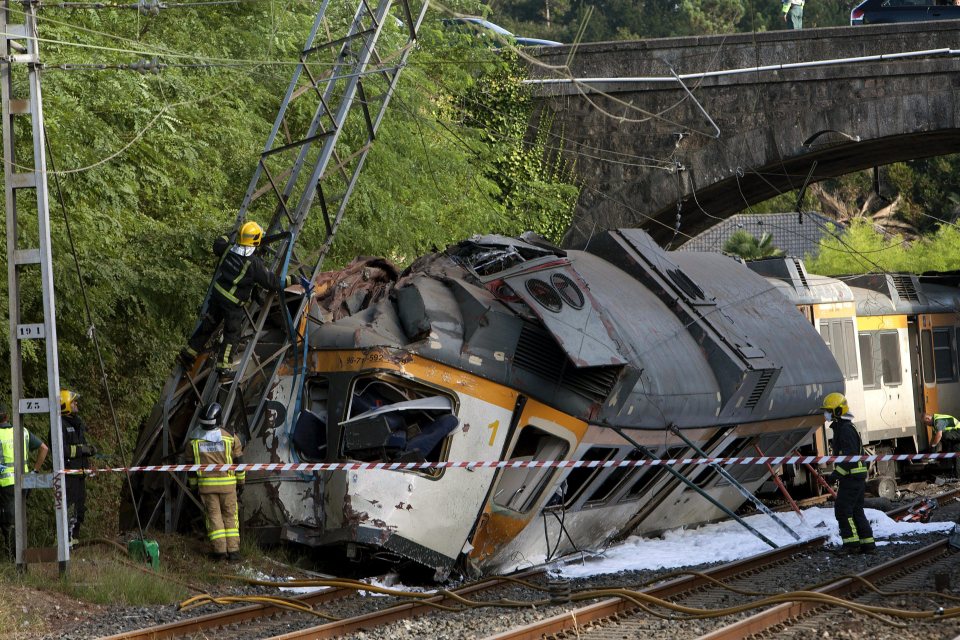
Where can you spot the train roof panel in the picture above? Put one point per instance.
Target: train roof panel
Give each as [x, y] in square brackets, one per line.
[901, 294]
[790, 276]
[625, 334]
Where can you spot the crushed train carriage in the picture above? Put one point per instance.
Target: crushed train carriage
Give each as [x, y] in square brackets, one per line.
[512, 349]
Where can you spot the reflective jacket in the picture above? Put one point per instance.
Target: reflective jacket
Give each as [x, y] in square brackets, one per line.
[846, 442]
[76, 451]
[7, 457]
[238, 273]
[217, 446]
[943, 422]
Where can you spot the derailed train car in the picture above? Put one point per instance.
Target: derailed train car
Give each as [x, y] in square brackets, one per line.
[500, 348]
[512, 349]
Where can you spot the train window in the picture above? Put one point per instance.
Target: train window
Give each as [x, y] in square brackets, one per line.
[394, 419]
[309, 435]
[614, 480]
[520, 488]
[580, 477]
[868, 361]
[890, 358]
[943, 355]
[839, 338]
[926, 355]
[708, 472]
[646, 477]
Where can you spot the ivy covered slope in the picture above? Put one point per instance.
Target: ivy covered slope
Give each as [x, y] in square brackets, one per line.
[154, 166]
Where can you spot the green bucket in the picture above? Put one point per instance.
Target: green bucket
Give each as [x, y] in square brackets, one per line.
[146, 551]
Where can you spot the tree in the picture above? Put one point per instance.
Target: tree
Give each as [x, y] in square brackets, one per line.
[746, 245]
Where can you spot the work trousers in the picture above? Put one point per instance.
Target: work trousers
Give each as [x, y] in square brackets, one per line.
[795, 17]
[8, 502]
[76, 503]
[223, 521]
[220, 310]
[854, 527]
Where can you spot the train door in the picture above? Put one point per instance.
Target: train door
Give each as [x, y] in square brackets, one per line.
[920, 334]
[542, 435]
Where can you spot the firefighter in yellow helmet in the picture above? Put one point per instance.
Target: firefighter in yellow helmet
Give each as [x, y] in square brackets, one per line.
[851, 477]
[239, 271]
[213, 444]
[76, 455]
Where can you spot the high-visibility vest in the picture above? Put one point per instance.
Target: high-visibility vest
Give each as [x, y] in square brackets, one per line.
[220, 452]
[7, 460]
[950, 420]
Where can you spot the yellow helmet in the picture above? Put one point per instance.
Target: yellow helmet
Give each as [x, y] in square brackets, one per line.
[250, 235]
[836, 404]
[67, 399]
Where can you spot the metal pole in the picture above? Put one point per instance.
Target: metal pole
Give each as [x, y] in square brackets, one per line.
[20, 50]
[819, 477]
[780, 485]
[739, 487]
[679, 476]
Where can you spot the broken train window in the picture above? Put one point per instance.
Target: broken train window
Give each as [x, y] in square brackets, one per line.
[309, 435]
[393, 419]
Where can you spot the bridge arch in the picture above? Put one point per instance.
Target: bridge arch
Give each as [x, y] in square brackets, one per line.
[792, 116]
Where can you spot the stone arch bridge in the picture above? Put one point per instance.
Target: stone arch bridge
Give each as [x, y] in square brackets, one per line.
[777, 109]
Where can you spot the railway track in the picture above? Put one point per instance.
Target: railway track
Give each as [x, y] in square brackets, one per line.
[759, 573]
[272, 621]
[618, 618]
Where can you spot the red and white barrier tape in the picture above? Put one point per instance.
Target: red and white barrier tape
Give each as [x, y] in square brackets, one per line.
[515, 464]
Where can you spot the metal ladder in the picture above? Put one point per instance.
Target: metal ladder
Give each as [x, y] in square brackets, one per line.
[347, 80]
[25, 171]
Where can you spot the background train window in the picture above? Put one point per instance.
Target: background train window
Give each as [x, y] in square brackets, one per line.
[926, 355]
[615, 479]
[868, 362]
[580, 477]
[943, 354]
[519, 489]
[395, 419]
[890, 358]
[839, 338]
[309, 435]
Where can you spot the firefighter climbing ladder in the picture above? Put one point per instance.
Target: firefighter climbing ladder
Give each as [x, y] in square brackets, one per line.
[345, 81]
[29, 251]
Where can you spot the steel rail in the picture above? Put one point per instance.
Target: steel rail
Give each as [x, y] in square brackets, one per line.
[227, 617]
[399, 612]
[198, 624]
[613, 606]
[782, 613]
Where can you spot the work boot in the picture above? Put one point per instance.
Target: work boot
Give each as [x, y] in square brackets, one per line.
[847, 549]
[225, 375]
[233, 556]
[218, 557]
[868, 547]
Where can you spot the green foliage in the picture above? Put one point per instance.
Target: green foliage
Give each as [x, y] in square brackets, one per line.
[748, 247]
[864, 249]
[154, 166]
[120, 584]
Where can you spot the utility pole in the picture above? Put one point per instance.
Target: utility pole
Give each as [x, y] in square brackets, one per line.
[29, 263]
